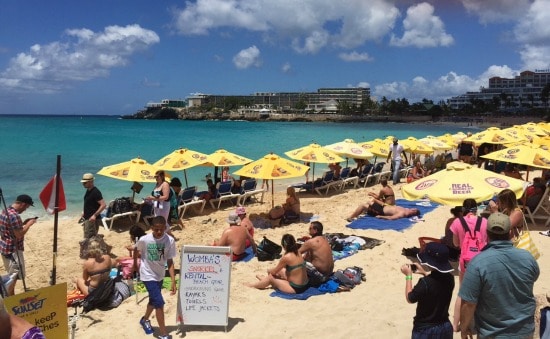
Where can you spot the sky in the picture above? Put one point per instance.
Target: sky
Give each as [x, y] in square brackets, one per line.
[113, 57]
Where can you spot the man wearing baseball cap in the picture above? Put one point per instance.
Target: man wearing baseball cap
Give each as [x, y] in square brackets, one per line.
[93, 206]
[497, 289]
[12, 236]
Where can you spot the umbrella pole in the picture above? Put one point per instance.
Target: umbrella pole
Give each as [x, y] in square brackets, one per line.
[185, 175]
[272, 194]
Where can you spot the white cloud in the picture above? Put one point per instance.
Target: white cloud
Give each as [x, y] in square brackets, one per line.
[422, 29]
[535, 57]
[490, 11]
[363, 84]
[303, 25]
[286, 67]
[533, 32]
[355, 56]
[247, 58]
[48, 68]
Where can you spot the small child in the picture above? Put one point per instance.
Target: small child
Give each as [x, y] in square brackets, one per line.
[156, 249]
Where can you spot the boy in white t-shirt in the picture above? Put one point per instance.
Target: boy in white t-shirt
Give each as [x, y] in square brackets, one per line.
[157, 249]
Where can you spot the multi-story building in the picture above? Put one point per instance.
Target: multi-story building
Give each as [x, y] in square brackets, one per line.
[519, 92]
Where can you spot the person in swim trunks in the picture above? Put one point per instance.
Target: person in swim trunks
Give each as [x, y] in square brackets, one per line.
[290, 274]
[236, 237]
[378, 209]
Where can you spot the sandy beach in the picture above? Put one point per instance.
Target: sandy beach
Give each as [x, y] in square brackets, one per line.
[375, 309]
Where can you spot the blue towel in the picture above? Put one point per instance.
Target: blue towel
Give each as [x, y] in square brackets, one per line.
[249, 255]
[337, 255]
[368, 222]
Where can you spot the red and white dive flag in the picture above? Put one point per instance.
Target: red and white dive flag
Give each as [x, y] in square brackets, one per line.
[47, 196]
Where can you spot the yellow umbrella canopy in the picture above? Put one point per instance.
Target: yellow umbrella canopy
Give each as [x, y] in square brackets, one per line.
[535, 129]
[222, 157]
[271, 166]
[543, 142]
[134, 170]
[525, 154]
[493, 135]
[181, 159]
[436, 144]
[520, 133]
[314, 153]
[544, 126]
[378, 147]
[449, 139]
[415, 146]
[350, 149]
[458, 182]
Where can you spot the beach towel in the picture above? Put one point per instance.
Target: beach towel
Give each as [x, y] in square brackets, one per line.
[330, 286]
[368, 222]
[249, 255]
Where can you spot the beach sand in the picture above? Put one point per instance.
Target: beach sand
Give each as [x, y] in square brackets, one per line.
[374, 309]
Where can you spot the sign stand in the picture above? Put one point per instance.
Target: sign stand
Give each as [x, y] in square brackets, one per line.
[203, 294]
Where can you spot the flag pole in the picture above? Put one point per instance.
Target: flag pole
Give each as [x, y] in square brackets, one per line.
[55, 220]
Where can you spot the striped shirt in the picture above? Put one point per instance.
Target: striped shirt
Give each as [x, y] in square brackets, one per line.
[8, 242]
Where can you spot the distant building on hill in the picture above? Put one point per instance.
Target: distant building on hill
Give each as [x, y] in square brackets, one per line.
[171, 103]
[520, 92]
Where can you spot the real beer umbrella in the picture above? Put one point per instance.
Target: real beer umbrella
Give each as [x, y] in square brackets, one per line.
[522, 154]
[180, 160]
[222, 158]
[436, 144]
[493, 135]
[458, 182]
[314, 153]
[272, 167]
[415, 146]
[350, 149]
[378, 147]
[536, 129]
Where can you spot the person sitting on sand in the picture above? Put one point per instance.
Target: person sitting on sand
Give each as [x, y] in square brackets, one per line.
[377, 208]
[417, 172]
[95, 270]
[290, 274]
[386, 194]
[245, 222]
[317, 252]
[235, 236]
[290, 209]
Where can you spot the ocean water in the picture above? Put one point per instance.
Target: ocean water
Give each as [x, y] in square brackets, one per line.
[29, 146]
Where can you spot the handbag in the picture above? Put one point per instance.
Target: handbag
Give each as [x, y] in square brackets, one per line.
[525, 242]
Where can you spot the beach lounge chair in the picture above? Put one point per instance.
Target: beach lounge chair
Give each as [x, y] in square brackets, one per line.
[108, 221]
[187, 200]
[365, 172]
[224, 194]
[327, 183]
[404, 172]
[310, 186]
[542, 211]
[374, 178]
[346, 178]
[250, 190]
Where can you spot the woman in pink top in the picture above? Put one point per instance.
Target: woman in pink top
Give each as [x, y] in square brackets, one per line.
[470, 216]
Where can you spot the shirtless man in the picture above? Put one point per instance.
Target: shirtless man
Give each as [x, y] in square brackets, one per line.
[317, 252]
[377, 208]
[386, 193]
[235, 236]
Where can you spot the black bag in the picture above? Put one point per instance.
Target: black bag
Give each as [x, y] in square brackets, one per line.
[100, 297]
[268, 250]
[120, 205]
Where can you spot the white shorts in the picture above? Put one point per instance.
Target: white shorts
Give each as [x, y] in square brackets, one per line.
[15, 263]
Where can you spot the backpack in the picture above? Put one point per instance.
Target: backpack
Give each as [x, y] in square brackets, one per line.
[267, 250]
[119, 206]
[350, 277]
[471, 244]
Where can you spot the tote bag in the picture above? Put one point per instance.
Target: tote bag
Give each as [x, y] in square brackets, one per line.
[524, 241]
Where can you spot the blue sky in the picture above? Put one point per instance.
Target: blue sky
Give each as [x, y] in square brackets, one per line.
[112, 57]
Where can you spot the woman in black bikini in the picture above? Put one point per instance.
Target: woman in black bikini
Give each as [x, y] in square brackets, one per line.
[95, 269]
[290, 274]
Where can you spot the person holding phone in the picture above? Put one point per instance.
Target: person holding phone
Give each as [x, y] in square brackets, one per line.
[12, 237]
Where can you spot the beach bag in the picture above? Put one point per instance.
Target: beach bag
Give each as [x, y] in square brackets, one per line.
[268, 250]
[471, 244]
[525, 242]
[121, 292]
[100, 297]
[119, 206]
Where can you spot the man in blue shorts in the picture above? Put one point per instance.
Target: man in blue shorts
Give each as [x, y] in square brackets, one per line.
[156, 249]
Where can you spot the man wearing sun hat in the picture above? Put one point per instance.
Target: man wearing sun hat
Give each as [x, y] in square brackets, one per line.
[433, 292]
[497, 289]
[12, 237]
[236, 236]
[93, 206]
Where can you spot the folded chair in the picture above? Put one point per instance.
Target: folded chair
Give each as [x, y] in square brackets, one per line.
[250, 190]
[187, 199]
[223, 194]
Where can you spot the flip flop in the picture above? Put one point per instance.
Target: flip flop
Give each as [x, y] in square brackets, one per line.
[546, 233]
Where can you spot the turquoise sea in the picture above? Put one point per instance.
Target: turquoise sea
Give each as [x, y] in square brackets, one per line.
[29, 146]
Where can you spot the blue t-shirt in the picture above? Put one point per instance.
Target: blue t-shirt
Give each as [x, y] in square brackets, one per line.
[500, 281]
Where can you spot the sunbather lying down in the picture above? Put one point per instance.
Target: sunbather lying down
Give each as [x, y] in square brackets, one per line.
[377, 208]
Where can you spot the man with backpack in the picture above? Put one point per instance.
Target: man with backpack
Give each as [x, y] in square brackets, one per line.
[470, 235]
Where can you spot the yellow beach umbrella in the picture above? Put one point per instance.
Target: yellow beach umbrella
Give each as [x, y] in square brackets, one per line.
[543, 142]
[436, 144]
[314, 153]
[271, 166]
[536, 129]
[449, 139]
[222, 157]
[525, 154]
[520, 133]
[492, 135]
[545, 126]
[415, 146]
[458, 182]
[134, 170]
[378, 147]
[350, 149]
[180, 160]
